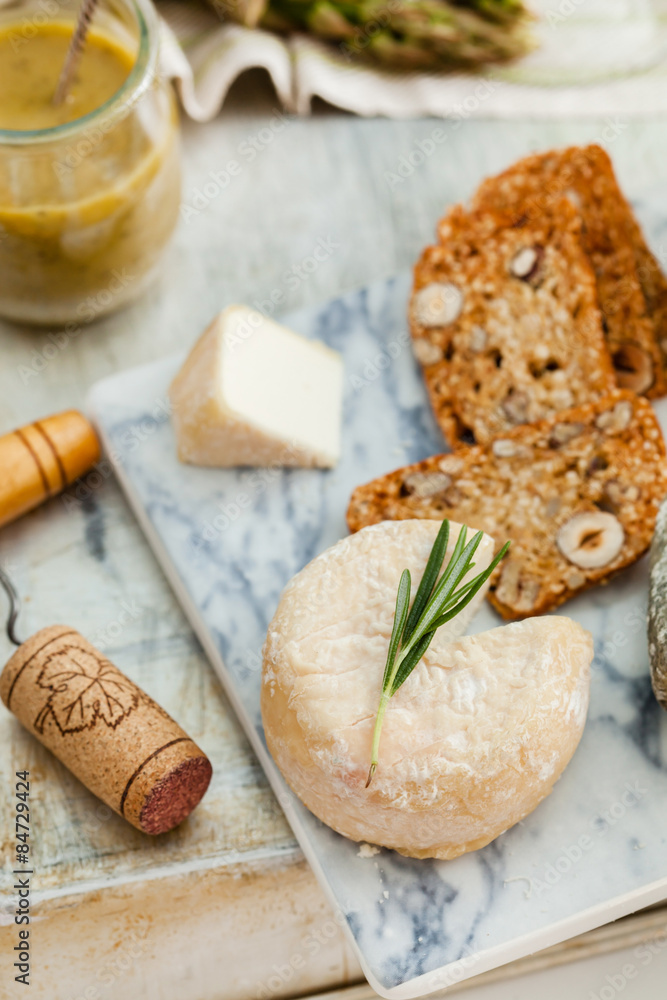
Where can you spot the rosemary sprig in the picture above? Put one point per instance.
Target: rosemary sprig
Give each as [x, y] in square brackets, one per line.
[436, 602]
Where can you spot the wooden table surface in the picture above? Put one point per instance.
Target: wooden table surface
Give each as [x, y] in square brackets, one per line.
[217, 908]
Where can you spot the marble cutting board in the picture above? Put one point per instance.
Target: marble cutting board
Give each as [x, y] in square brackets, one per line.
[229, 540]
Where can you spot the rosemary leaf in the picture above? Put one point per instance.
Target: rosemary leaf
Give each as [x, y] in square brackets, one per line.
[470, 589]
[458, 601]
[451, 578]
[428, 580]
[400, 616]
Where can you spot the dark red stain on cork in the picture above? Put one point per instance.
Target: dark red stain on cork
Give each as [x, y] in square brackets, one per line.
[175, 796]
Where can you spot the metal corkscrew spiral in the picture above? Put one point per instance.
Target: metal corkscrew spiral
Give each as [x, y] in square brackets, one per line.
[14, 607]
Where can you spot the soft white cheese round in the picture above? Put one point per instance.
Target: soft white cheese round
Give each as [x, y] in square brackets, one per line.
[473, 740]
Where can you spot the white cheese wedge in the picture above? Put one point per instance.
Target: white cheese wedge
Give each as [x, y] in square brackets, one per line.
[473, 740]
[253, 392]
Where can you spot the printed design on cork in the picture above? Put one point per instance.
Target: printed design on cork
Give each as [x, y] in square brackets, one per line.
[84, 688]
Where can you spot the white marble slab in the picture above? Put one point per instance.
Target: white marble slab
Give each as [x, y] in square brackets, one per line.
[229, 541]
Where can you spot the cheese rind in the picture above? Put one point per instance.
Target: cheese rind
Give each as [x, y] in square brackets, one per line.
[253, 392]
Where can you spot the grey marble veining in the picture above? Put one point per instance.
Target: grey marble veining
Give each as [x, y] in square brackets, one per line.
[229, 540]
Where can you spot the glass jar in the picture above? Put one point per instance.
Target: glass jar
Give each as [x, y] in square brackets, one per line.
[88, 206]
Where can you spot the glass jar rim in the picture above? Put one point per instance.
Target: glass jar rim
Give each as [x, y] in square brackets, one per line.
[139, 80]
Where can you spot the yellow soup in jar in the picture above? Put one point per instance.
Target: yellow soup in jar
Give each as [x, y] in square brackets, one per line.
[29, 71]
[86, 209]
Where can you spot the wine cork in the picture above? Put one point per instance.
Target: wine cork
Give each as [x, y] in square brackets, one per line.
[105, 729]
[43, 458]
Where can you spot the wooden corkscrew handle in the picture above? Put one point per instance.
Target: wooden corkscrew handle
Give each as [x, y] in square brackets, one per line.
[42, 459]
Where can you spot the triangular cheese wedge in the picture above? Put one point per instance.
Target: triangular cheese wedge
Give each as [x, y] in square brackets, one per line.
[253, 392]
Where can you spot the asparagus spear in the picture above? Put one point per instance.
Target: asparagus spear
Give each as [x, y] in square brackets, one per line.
[412, 34]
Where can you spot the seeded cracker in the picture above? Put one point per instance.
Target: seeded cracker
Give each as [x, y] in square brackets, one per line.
[631, 287]
[505, 322]
[578, 495]
[654, 287]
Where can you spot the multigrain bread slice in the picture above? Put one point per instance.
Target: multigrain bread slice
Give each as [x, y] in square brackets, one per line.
[611, 237]
[505, 322]
[577, 495]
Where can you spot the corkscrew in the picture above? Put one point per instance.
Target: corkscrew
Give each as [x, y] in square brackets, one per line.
[110, 734]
